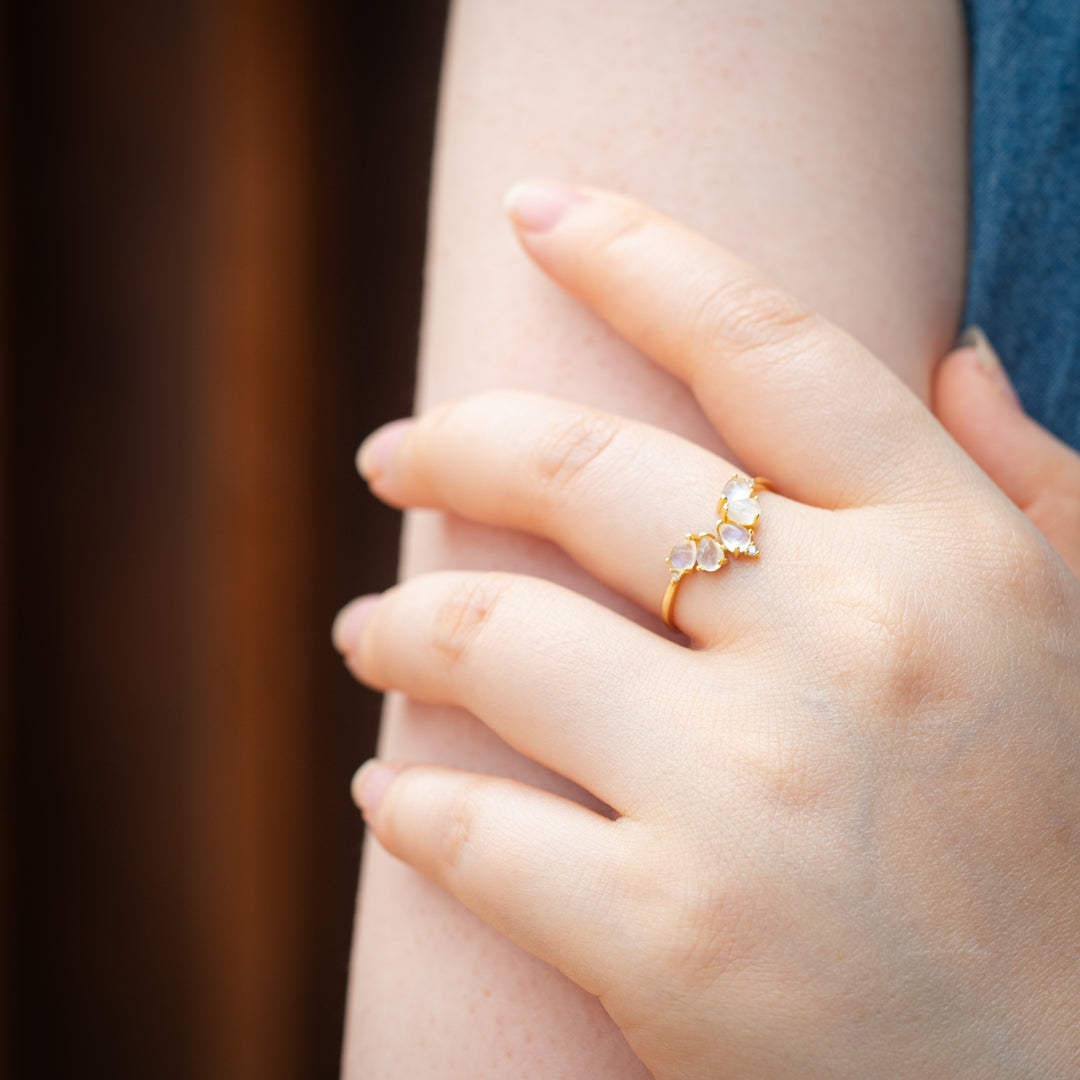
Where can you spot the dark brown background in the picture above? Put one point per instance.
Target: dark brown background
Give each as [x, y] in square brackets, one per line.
[212, 236]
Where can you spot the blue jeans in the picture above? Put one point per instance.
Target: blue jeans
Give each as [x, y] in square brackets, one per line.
[1024, 260]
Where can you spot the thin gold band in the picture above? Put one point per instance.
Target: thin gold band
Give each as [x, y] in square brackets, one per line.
[669, 603]
[707, 551]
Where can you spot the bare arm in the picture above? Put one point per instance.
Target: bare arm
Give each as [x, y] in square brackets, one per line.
[824, 141]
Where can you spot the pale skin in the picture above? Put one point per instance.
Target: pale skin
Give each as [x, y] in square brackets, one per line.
[853, 200]
[846, 821]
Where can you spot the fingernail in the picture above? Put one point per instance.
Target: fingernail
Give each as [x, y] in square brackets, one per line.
[369, 785]
[974, 338]
[536, 206]
[377, 450]
[349, 621]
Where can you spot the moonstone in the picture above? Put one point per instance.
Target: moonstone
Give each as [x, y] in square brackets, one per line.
[709, 554]
[734, 537]
[683, 555]
[743, 512]
[736, 489]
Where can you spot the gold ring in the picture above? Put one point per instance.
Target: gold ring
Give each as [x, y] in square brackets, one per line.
[738, 514]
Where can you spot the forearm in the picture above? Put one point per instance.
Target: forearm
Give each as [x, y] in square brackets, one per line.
[825, 142]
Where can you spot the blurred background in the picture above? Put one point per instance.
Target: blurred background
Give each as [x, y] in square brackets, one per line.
[212, 233]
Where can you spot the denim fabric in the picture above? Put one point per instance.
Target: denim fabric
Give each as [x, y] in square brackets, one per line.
[1024, 263]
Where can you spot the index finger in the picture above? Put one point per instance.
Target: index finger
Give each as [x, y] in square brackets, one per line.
[795, 397]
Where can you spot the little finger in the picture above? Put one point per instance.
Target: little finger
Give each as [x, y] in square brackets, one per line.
[542, 870]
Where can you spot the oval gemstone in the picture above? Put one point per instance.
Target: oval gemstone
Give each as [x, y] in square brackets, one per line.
[736, 489]
[710, 555]
[683, 555]
[743, 512]
[734, 537]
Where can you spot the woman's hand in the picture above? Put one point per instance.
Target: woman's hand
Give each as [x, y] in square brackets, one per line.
[845, 837]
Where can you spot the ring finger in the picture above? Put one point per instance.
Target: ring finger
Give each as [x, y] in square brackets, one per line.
[614, 494]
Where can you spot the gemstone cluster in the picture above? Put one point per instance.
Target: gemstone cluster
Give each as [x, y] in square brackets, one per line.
[738, 514]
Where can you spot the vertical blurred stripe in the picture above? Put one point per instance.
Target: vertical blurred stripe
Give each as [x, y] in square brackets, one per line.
[6, 801]
[101, 316]
[253, 552]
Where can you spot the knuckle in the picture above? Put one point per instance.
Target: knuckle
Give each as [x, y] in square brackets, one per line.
[894, 640]
[463, 613]
[793, 773]
[572, 447]
[1025, 577]
[693, 921]
[458, 831]
[739, 317]
[891, 643]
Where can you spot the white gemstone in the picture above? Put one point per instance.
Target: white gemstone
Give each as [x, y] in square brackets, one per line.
[683, 555]
[752, 550]
[737, 488]
[734, 537]
[710, 556]
[743, 512]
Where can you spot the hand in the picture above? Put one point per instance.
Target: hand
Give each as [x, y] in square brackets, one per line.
[975, 401]
[845, 828]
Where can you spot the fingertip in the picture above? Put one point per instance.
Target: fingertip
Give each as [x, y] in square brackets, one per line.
[536, 206]
[988, 423]
[369, 785]
[962, 390]
[377, 451]
[349, 622]
[975, 346]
